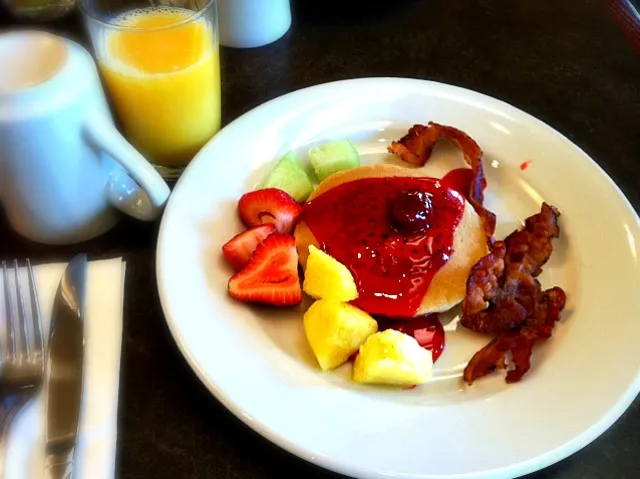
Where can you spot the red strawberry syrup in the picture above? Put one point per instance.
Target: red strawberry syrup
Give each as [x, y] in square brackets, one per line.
[525, 164]
[459, 180]
[392, 269]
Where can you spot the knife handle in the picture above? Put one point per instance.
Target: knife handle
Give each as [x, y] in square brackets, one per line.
[59, 465]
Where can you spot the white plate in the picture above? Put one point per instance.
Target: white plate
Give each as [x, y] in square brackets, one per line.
[256, 361]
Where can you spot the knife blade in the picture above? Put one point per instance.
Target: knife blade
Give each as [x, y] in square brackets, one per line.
[64, 366]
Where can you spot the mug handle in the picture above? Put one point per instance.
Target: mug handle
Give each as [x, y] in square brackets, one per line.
[140, 191]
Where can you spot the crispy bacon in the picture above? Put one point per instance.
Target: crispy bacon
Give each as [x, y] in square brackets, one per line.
[505, 298]
[501, 289]
[416, 147]
[483, 282]
[518, 342]
[494, 356]
[531, 246]
[540, 324]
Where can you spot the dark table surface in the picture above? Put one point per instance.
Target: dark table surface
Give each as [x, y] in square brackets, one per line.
[567, 62]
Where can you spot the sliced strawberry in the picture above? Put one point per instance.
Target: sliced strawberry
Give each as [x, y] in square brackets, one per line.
[239, 249]
[269, 205]
[271, 276]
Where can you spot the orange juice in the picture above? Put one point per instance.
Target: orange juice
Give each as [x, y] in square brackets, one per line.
[163, 76]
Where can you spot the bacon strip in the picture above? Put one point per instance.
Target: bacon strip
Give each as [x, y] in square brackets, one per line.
[416, 147]
[519, 342]
[505, 298]
[494, 357]
[501, 289]
[483, 283]
[531, 246]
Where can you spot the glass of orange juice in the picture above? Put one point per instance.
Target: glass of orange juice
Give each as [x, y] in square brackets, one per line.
[160, 64]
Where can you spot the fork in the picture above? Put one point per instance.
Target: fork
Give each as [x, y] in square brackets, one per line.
[23, 361]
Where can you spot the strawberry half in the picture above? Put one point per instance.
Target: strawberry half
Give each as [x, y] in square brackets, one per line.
[239, 249]
[271, 276]
[269, 205]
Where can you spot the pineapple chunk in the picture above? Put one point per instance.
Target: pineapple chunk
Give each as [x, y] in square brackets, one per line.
[336, 330]
[326, 277]
[392, 357]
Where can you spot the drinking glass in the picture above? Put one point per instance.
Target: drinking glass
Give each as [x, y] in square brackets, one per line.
[159, 61]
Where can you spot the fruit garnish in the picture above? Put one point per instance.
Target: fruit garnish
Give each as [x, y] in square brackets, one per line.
[336, 330]
[325, 277]
[333, 157]
[411, 211]
[269, 205]
[288, 175]
[239, 249]
[393, 358]
[271, 276]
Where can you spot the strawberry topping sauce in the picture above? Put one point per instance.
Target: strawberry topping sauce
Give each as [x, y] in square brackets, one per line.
[525, 164]
[459, 180]
[392, 268]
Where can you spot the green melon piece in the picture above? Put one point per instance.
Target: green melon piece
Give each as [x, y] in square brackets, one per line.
[332, 157]
[288, 175]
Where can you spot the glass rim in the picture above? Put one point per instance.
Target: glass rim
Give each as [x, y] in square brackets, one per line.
[106, 24]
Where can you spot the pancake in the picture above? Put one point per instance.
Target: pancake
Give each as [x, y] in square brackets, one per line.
[448, 285]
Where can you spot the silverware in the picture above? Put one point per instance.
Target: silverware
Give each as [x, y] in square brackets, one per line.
[64, 383]
[23, 360]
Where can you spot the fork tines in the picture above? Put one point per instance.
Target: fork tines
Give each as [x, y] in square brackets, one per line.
[23, 325]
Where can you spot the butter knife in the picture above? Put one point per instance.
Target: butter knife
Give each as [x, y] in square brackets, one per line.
[65, 363]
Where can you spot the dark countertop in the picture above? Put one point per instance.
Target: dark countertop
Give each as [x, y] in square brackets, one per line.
[568, 63]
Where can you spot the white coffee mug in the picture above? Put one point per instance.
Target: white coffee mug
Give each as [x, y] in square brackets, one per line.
[63, 165]
[252, 23]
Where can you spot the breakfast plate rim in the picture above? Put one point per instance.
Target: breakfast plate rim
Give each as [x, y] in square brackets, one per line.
[255, 423]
